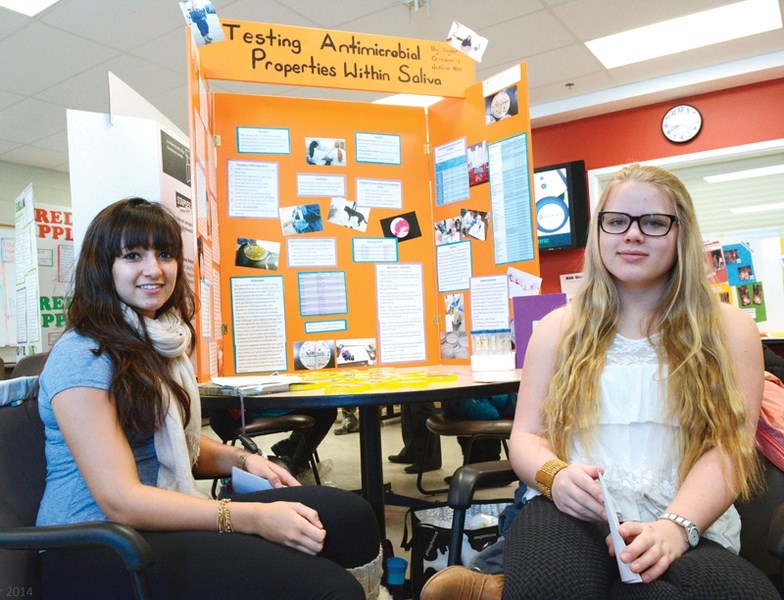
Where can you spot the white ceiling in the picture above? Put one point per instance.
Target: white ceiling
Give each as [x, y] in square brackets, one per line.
[61, 58]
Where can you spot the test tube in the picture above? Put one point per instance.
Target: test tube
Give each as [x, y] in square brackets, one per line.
[493, 341]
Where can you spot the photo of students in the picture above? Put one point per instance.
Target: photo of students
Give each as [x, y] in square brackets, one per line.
[717, 268]
[203, 21]
[467, 41]
[739, 264]
[751, 298]
[474, 223]
[303, 218]
[448, 231]
[328, 152]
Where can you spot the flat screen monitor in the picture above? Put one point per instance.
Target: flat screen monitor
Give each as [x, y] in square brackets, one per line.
[561, 206]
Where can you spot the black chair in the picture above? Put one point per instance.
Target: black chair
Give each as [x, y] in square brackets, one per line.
[23, 473]
[762, 517]
[465, 481]
[439, 425]
[230, 429]
[762, 531]
[32, 364]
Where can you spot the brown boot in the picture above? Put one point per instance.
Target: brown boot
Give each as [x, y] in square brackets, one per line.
[459, 583]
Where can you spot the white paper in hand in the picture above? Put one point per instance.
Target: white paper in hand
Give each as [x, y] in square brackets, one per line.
[612, 517]
[243, 482]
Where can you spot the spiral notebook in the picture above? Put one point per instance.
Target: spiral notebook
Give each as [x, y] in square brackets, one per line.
[248, 385]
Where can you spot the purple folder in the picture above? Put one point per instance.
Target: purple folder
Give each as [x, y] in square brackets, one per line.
[528, 310]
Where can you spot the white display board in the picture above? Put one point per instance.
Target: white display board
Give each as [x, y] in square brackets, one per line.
[7, 291]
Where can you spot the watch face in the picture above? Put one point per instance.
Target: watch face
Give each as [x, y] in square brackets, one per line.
[500, 105]
[681, 123]
[694, 536]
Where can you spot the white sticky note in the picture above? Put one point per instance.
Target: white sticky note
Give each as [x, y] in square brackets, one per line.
[627, 576]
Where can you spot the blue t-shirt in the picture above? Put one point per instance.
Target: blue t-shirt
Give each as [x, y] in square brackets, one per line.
[66, 498]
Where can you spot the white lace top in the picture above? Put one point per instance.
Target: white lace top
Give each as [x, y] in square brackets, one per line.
[636, 444]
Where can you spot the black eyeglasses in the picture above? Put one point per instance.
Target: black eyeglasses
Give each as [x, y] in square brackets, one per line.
[653, 224]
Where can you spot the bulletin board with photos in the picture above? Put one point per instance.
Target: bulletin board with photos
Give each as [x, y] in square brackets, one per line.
[748, 274]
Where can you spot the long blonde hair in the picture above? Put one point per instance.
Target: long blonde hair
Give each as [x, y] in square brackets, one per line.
[702, 393]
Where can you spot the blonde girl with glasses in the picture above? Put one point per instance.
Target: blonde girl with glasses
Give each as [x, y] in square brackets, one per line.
[648, 380]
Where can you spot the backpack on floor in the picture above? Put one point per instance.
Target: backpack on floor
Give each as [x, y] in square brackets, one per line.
[431, 534]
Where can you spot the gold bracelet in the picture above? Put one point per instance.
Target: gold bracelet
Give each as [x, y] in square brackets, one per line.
[224, 517]
[242, 461]
[546, 474]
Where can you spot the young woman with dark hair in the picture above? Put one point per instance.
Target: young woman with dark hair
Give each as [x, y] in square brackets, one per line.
[119, 400]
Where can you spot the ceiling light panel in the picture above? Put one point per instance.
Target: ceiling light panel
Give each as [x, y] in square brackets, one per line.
[705, 28]
[409, 100]
[27, 7]
[746, 174]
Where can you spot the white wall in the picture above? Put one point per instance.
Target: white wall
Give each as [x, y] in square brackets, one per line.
[49, 187]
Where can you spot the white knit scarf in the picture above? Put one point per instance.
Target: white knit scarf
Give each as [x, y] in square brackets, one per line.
[177, 446]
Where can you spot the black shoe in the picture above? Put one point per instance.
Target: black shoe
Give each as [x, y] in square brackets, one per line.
[284, 448]
[401, 458]
[292, 466]
[413, 469]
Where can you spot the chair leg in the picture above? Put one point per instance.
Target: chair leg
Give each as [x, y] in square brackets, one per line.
[426, 452]
[469, 447]
[314, 467]
[485, 436]
[456, 545]
[141, 589]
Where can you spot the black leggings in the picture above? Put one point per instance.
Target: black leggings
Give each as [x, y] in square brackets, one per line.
[549, 554]
[206, 564]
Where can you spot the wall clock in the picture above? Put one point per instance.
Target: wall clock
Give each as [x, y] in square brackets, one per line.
[681, 123]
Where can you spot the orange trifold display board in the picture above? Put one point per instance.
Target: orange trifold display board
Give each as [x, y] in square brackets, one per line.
[315, 230]
[344, 234]
[488, 221]
[269, 53]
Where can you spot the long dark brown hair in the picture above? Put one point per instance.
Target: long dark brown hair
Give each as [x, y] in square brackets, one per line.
[140, 373]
